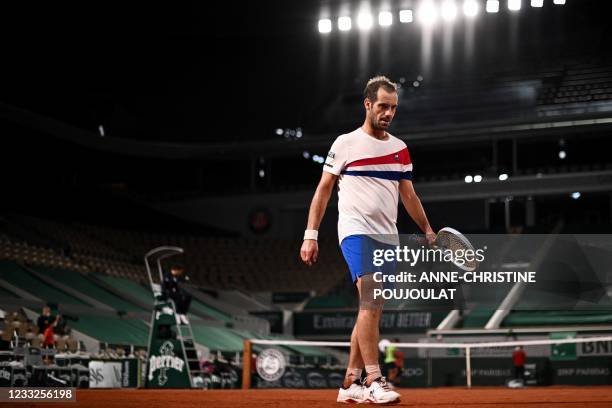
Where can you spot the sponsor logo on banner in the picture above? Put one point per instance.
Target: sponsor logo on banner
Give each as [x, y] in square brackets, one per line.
[126, 374]
[96, 376]
[163, 362]
[271, 364]
[316, 380]
[293, 379]
[412, 372]
[5, 374]
[339, 322]
[335, 380]
[595, 348]
[583, 371]
[104, 374]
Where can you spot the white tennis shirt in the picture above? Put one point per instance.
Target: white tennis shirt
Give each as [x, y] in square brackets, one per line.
[369, 172]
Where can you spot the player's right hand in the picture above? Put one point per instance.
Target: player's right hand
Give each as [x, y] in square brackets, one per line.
[310, 251]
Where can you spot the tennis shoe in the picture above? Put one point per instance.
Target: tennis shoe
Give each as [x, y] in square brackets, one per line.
[379, 392]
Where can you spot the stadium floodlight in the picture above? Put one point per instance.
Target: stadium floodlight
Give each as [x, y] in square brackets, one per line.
[503, 177]
[427, 13]
[325, 26]
[492, 6]
[562, 154]
[405, 16]
[364, 21]
[306, 154]
[385, 18]
[449, 10]
[470, 8]
[514, 5]
[318, 159]
[469, 179]
[559, 2]
[537, 3]
[477, 178]
[576, 195]
[280, 131]
[344, 23]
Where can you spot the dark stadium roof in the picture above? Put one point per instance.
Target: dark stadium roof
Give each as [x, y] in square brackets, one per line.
[200, 71]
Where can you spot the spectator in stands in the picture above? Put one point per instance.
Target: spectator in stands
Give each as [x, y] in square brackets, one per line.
[45, 319]
[518, 359]
[172, 289]
[60, 327]
[47, 325]
[394, 362]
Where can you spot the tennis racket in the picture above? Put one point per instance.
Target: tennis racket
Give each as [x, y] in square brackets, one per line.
[449, 239]
[452, 241]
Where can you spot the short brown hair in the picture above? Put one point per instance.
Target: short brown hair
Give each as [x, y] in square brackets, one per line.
[371, 90]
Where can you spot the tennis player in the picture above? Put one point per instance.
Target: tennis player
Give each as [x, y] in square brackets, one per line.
[373, 169]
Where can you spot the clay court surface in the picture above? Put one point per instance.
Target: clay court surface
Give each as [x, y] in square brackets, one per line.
[564, 397]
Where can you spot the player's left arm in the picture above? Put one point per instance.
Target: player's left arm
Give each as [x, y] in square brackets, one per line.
[415, 209]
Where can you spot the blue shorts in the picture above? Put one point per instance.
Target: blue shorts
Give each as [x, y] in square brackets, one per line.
[358, 251]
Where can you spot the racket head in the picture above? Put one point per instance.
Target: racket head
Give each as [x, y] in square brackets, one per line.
[449, 239]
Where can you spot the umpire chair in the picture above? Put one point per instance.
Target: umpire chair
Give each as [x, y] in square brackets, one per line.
[172, 360]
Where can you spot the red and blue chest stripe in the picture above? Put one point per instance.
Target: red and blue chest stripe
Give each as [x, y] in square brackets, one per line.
[401, 157]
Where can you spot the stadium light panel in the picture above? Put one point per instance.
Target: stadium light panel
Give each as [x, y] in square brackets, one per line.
[470, 8]
[477, 178]
[449, 10]
[405, 16]
[559, 2]
[427, 13]
[325, 26]
[492, 6]
[514, 5]
[385, 18]
[318, 159]
[364, 21]
[503, 177]
[537, 3]
[576, 195]
[344, 23]
[468, 179]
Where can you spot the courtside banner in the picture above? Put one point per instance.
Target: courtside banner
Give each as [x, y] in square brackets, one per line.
[342, 322]
[534, 279]
[298, 377]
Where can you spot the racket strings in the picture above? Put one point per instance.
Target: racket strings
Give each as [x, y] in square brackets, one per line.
[457, 244]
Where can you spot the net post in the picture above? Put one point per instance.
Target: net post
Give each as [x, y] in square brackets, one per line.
[468, 367]
[247, 351]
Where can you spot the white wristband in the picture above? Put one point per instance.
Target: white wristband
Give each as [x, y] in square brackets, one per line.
[311, 234]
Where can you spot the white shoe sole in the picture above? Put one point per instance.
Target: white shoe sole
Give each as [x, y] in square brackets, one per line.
[389, 402]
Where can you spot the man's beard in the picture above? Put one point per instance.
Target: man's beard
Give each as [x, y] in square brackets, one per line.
[375, 124]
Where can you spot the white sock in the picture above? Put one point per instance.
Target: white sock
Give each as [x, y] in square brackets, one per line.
[373, 372]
